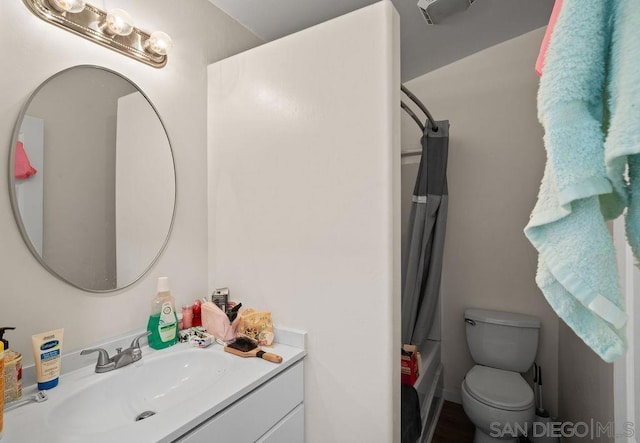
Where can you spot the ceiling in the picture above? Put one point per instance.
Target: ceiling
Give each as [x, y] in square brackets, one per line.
[423, 47]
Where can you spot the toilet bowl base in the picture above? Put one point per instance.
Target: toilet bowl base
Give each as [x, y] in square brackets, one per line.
[488, 420]
[481, 437]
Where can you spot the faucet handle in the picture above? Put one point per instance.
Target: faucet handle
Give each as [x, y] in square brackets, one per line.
[136, 341]
[103, 357]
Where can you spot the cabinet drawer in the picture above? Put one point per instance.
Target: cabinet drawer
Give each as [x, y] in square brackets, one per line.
[252, 416]
[289, 430]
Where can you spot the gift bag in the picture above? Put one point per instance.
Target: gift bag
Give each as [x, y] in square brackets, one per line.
[257, 325]
[217, 323]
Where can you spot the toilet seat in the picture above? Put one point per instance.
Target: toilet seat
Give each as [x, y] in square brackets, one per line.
[499, 388]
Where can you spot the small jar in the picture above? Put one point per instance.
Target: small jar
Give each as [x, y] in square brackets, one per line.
[187, 317]
[180, 323]
[195, 309]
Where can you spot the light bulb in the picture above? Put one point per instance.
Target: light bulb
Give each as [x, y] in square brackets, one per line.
[73, 6]
[119, 22]
[158, 43]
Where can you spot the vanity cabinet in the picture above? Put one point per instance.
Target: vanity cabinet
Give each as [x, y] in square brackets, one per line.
[272, 413]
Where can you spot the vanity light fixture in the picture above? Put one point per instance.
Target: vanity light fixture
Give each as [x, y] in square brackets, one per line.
[118, 22]
[113, 29]
[73, 6]
[159, 43]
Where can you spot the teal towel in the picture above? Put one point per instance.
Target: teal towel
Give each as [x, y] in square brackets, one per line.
[622, 145]
[593, 54]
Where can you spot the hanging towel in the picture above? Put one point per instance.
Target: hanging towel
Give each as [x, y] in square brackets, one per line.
[622, 145]
[547, 37]
[22, 167]
[577, 270]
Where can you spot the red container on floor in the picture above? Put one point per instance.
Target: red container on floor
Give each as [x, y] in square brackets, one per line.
[409, 371]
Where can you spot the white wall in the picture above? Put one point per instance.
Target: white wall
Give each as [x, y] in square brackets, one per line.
[304, 208]
[585, 383]
[496, 158]
[33, 300]
[626, 370]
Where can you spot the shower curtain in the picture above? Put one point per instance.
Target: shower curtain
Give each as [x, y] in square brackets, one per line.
[427, 225]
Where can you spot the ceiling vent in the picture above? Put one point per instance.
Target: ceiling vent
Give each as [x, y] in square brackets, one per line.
[434, 11]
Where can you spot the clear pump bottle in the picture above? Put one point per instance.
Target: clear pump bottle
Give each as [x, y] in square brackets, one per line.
[163, 322]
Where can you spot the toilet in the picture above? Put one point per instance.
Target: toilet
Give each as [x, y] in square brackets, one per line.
[495, 397]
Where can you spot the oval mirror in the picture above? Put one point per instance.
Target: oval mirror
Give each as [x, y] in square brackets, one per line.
[92, 179]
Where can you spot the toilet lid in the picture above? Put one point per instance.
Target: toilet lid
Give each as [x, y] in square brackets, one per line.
[498, 388]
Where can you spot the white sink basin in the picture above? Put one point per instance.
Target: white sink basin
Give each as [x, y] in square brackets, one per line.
[156, 383]
[183, 386]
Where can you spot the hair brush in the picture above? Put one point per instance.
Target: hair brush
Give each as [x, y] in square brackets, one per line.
[248, 347]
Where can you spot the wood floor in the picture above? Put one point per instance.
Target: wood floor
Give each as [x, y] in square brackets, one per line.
[453, 425]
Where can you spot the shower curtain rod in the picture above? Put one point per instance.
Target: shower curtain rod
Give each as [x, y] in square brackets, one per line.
[412, 115]
[415, 118]
[422, 107]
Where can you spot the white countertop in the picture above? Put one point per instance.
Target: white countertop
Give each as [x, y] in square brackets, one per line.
[36, 422]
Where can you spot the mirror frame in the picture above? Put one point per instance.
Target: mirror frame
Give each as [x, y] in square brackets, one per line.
[12, 183]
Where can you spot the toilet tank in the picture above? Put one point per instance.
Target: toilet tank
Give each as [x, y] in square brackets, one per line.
[502, 340]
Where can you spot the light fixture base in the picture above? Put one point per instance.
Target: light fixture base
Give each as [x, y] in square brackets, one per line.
[87, 24]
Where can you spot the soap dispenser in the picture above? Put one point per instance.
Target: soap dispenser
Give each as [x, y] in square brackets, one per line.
[163, 322]
[12, 370]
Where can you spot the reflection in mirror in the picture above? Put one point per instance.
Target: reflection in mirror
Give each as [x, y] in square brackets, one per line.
[92, 179]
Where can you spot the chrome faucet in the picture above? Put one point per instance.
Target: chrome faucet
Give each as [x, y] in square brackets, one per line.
[120, 359]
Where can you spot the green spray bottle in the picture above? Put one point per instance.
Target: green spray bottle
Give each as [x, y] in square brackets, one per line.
[163, 322]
